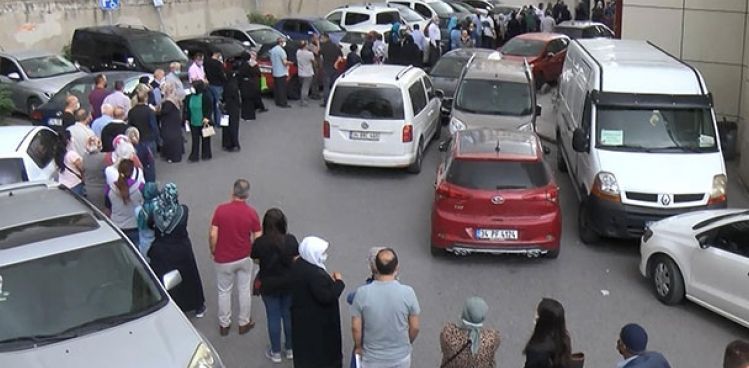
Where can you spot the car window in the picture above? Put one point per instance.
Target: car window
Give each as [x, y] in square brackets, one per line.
[523, 47]
[12, 171]
[334, 17]
[354, 37]
[428, 86]
[220, 32]
[80, 89]
[556, 46]
[305, 27]
[385, 103]
[290, 26]
[590, 32]
[42, 147]
[355, 18]
[7, 67]
[157, 48]
[324, 25]
[388, 17]
[47, 66]
[423, 10]
[418, 97]
[409, 14]
[497, 175]
[570, 32]
[605, 32]
[448, 67]
[733, 238]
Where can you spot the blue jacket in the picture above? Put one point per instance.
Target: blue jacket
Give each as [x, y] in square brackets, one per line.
[648, 359]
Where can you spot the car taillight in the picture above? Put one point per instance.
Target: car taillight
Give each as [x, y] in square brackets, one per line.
[408, 133]
[326, 129]
[37, 115]
[552, 195]
[447, 191]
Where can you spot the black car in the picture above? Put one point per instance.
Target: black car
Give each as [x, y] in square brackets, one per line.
[229, 48]
[124, 48]
[446, 73]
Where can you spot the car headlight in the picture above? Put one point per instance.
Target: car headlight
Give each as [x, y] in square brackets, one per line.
[204, 357]
[606, 187]
[456, 125]
[718, 192]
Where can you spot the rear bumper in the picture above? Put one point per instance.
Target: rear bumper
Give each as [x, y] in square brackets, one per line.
[619, 220]
[353, 159]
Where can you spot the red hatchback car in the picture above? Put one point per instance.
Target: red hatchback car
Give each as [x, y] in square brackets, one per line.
[545, 53]
[495, 194]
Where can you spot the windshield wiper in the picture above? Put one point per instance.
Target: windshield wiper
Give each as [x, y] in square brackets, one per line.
[40, 339]
[680, 148]
[102, 323]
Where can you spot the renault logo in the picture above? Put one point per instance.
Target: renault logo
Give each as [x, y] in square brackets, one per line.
[364, 125]
[498, 200]
[665, 199]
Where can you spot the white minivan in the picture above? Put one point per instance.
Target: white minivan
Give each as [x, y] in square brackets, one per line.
[381, 115]
[636, 131]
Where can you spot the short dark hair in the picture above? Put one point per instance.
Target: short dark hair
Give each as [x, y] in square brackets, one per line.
[737, 355]
[197, 55]
[242, 188]
[386, 265]
[353, 47]
[99, 78]
[119, 85]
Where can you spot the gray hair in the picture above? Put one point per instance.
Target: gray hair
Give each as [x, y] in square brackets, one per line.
[133, 134]
[107, 109]
[242, 189]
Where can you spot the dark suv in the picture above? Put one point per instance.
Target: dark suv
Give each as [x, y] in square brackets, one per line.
[124, 48]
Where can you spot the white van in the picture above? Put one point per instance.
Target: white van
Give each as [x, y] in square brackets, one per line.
[381, 115]
[636, 130]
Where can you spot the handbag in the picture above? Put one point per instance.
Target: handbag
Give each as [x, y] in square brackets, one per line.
[449, 360]
[208, 131]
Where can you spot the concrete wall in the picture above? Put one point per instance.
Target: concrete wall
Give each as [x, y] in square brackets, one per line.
[713, 36]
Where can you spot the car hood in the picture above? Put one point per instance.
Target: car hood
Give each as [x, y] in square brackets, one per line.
[662, 173]
[164, 338]
[683, 223]
[447, 85]
[474, 121]
[52, 85]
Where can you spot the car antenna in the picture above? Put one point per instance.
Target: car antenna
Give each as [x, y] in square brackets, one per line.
[496, 149]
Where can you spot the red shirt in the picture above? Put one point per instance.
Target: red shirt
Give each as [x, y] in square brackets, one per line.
[236, 221]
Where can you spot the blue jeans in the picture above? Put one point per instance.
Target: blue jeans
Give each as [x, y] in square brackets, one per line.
[278, 309]
[218, 92]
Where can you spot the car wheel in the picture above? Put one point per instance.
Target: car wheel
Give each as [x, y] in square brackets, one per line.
[668, 283]
[585, 228]
[553, 254]
[33, 104]
[561, 165]
[415, 167]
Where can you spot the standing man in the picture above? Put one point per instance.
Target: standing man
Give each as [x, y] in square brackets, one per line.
[157, 85]
[234, 227]
[118, 98]
[305, 60]
[387, 313]
[196, 72]
[106, 116]
[80, 132]
[143, 117]
[330, 55]
[175, 68]
[214, 72]
[68, 113]
[418, 36]
[547, 23]
[115, 127]
[97, 96]
[314, 46]
[279, 65]
[435, 41]
[736, 355]
[632, 345]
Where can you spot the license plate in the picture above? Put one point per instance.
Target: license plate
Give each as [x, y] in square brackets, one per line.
[364, 136]
[496, 234]
[54, 122]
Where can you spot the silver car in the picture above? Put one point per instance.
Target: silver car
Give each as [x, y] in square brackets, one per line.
[35, 76]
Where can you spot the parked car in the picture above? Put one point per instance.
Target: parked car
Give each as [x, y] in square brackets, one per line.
[446, 73]
[293, 86]
[123, 47]
[77, 287]
[575, 29]
[431, 8]
[352, 38]
[361, 16]
[229, 48]
[381, 115]
[409, 16]
[27, 153]
[461, 7]
[252, 36]
[702, 256]
[544, 52]
[494, 93]
[636, 152]
[480, 4]
[495, 194]
[50, 113]
[303, 28]
[32, 77]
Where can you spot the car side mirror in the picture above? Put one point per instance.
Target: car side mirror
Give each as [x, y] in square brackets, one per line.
[439, 93]
[580, 141]
[14, 77]
[538, 110]
[171, 279]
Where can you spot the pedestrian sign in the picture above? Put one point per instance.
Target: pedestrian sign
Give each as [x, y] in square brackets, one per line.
[109, 4]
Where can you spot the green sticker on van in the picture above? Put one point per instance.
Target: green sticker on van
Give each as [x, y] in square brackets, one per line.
[612, 137]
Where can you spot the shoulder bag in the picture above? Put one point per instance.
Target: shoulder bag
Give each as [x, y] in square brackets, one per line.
[448, 361]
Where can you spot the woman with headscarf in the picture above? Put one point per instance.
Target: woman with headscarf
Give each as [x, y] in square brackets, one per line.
[315, 316]
[124, 150]
[94, 164]
[144, 154]
[454, 29]
[468, 343]
[367, 49]
[249, 76]
[144, 214]
[172, 129]
[395, 55]
[124, 196]
[199, 112]
[410, 53]
[233, 107]
[172, 250]
[549, 345]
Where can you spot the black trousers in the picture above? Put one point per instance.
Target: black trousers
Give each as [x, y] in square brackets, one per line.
[199, 144]
[230, 134]
[279, 91]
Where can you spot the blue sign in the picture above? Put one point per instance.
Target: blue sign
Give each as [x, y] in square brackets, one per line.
[109, 4]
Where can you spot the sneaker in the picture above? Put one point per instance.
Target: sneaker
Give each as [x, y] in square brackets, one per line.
[200, 312]
[274, 357]
[290, 354]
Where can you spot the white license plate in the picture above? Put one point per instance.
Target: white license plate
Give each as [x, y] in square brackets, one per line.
[496, 234]
[54, 122]
[364, 136]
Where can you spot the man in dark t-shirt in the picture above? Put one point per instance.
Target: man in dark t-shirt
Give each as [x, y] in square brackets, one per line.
[116, 127]
[97, 96]
[143, 117]
[330, 54]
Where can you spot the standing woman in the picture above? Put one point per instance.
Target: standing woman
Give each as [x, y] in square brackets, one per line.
[124, 197]
[275, 251]
[172, 130]
[172, 250]
[144, 216]
[199, 112]
[468, 343]
[549, 346]
[314, 308]
[94, 164]
[249, 86]
[233, 106]
[69, 164]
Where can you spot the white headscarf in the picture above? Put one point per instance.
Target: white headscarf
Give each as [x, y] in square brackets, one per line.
[313, 250]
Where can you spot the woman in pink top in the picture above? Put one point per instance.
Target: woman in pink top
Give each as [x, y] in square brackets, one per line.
[69, 165]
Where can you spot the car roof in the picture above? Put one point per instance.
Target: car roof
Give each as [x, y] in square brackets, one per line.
[379, 74]
[496, 68]
[244, 26]
[309, 19]
[367, 8]
[12, 136]
[224, 45]
[26, 54]
[482, 144]
[580, 24]
[121, 30]
[541, 36]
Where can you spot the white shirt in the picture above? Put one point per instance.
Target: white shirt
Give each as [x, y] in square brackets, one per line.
[419, 38]
[547, 24]
[434, 34]
[304, 60]
[80, 133]
[624, 362]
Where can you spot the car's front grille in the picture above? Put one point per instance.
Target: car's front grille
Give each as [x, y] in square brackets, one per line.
[644, 197]
[678, 198]
[681, 198]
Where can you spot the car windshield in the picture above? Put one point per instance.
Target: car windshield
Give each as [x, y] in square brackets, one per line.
[497, 175]
[443, 10]
[12, 171]
[491, 97]
[656, 130]
[460, 8]
[448, 67]
[229, 48]
[80, 88]
[354, 37]
[522, 47]
[376, 103]
[573, 33]
[265, 35]
[67, 295]
[47, 66]
[324, 25]
[156, 49]
[409, 15]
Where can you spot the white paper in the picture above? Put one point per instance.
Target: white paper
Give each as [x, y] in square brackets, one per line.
[357, 359]
[706, 141]
[224, 120]
[612, 137]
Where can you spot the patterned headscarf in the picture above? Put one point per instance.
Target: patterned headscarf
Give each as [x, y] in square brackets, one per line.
[167, 212]
[150, 197]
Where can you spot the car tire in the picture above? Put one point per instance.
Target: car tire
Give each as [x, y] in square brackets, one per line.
[553, 254]
[667, 280]
[32, 104]
[585, 230]
[561, 165]
[415, 167]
